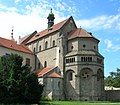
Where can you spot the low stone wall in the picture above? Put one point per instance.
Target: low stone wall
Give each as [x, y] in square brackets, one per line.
[112, 95]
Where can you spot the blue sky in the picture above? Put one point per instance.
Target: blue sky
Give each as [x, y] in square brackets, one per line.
[101, 17]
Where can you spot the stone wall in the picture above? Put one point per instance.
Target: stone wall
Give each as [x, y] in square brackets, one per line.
[112, 95]
[53, 88]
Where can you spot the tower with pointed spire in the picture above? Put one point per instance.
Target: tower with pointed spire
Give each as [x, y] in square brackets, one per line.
[50, 19]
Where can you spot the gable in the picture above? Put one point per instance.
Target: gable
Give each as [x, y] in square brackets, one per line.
[68, 27]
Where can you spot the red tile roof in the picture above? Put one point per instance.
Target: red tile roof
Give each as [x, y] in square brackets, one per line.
[46, 31]
[55, 75]
[43, 71]
[79, 32]
[14, 46]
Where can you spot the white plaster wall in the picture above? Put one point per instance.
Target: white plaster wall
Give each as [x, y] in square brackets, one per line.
[4, 50]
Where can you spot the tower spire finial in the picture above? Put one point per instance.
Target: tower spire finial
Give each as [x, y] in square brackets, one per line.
[51, 10]
[12, 30]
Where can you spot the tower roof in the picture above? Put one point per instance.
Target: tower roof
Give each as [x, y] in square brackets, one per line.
[81, 33]
[50, 19]
[51, 13]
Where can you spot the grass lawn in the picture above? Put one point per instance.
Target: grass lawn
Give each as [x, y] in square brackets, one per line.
[79, 103]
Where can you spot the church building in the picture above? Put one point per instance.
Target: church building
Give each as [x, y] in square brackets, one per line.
[67, 61]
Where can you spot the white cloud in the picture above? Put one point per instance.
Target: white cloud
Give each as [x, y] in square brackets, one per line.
[110, 46]
[108, 43]
[10, 9]
[33, 18]
[101, 22]
[17, 1]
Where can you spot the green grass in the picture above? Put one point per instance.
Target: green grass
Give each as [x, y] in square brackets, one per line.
[79, 103]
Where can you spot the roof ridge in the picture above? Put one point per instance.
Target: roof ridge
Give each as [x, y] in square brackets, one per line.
[52, 68]
[8, 39]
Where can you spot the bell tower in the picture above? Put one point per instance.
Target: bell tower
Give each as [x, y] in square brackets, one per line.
[50, 19]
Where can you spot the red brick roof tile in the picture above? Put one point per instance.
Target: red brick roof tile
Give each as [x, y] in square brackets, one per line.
[55, 75]
[46, 31]
[43, 71]
[13, 45]
[79, 32]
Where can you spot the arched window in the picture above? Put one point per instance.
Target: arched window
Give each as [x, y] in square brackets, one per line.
[46, 45]
[39, 48]
[38, 65]
[45, 64]
[70, 76]
[34, 50]
[59, 84]
[53, 43]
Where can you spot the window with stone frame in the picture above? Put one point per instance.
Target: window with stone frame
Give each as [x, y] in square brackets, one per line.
[46, 44]
[28, 61]
[40, 48]
[53, 43]
[34, 50]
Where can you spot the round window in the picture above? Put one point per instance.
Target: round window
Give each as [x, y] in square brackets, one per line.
[84, 45]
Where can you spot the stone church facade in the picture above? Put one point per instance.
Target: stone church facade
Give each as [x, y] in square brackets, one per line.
[75, 54]
[67, 61]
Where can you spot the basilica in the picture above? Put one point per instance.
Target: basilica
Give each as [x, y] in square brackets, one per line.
[65, 58]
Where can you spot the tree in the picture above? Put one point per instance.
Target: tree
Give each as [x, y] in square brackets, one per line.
[113, 79]
[17, 83]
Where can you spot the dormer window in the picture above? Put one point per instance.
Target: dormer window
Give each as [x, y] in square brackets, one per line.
[37, 35]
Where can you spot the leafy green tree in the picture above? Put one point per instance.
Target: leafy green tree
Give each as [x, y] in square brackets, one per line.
[113, 79]
[17, 83]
